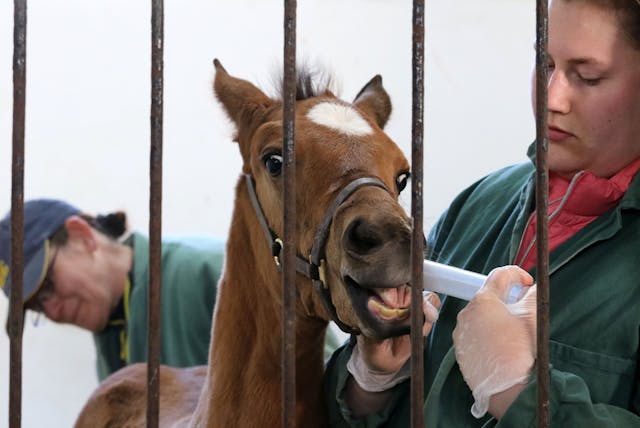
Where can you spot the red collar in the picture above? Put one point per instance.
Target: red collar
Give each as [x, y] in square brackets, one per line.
[591, 195]
[573, 204]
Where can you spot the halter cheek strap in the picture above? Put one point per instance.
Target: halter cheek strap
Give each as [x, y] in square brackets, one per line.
[314, 268]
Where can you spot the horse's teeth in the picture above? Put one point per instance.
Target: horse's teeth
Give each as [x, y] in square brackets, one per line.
[387, 312]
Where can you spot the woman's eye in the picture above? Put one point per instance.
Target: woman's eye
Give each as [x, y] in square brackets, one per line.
[273, 162]
[589, 81]
[401, 180]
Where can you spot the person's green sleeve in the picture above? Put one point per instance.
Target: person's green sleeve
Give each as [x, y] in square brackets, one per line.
[336, 376]
[570, 406]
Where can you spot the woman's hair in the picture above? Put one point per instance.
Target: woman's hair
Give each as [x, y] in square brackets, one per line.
[112, 225]
[628, 12]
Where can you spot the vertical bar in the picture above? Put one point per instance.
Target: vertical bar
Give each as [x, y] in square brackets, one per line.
[155, 214]
[417, 248]
[289, 264]
[542, 209]
[16, 311]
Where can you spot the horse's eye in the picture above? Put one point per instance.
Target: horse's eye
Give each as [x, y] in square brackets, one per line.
[273, 162]
[401, 180]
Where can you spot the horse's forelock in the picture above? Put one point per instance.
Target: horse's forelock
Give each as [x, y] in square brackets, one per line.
[310, 83]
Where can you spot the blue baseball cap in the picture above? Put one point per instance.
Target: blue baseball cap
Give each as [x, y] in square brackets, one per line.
[42, 217]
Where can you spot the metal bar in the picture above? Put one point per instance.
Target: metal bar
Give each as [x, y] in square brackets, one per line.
[542, 209]
[417, 246]
[16, 310]
[289, 254]
[155, 215]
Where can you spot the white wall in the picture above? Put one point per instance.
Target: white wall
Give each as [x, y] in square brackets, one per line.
[87, 137]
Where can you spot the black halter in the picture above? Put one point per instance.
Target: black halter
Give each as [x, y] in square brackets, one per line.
[314, 268]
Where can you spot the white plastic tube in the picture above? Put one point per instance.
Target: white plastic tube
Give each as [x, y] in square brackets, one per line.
[457, 282]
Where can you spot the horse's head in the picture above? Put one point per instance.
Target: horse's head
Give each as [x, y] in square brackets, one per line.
[349, 174]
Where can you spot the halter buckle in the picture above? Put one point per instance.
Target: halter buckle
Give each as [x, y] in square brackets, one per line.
[276, 247]
[318, 272]
[323, 275]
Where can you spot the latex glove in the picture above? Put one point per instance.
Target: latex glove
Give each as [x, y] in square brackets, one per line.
[378, 365]
[495, 343]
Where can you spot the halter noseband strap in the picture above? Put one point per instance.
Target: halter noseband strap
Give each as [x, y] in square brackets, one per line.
[314, 268]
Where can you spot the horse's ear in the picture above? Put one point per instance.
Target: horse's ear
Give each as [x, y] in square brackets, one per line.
[243, 102]
[374, 100]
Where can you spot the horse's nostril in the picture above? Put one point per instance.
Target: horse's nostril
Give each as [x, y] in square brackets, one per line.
[362, 237]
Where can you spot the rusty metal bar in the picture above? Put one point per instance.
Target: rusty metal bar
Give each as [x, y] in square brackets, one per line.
[16, 310]
[542, 209]
[155, 214]
[289, 250]
[417, 246]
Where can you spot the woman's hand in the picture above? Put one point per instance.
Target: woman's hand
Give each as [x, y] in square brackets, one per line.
[495, 342]
[378, 365]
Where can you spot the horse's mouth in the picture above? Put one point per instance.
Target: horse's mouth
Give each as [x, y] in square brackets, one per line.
[391, 303]
[384, 311]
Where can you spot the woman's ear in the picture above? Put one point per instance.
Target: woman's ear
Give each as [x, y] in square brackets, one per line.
[78, 228]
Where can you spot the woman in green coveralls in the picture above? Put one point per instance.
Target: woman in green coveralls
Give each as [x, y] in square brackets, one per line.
[91, 272]
[479, 357]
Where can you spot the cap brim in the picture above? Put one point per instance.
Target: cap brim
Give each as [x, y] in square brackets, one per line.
[33, 273]
[32, 276]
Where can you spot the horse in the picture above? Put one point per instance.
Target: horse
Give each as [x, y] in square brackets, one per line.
[353, 244]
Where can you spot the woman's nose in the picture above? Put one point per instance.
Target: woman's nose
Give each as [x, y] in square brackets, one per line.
[558, 95]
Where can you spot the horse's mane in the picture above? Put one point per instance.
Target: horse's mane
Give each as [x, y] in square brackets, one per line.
[310, 82]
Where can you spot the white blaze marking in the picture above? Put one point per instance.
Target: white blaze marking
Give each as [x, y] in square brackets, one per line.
[339, 117]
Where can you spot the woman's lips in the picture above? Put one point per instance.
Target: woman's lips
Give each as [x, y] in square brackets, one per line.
[557, 134]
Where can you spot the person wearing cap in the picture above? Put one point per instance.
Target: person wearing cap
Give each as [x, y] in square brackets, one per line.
[93, 273]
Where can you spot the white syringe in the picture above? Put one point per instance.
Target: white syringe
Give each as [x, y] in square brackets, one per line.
[457, 282]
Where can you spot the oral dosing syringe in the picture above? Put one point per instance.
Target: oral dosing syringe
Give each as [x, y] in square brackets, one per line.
[456, 282]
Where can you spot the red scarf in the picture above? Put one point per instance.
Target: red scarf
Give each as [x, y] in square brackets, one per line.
[573, 205]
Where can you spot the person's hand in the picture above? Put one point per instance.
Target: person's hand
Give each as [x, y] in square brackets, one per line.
[378, 365]
[495, 342]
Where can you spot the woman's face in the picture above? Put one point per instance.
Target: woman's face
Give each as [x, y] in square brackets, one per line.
[594, 91]
[80, 295]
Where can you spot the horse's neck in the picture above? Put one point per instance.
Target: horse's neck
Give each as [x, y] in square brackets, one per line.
[243, 381]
